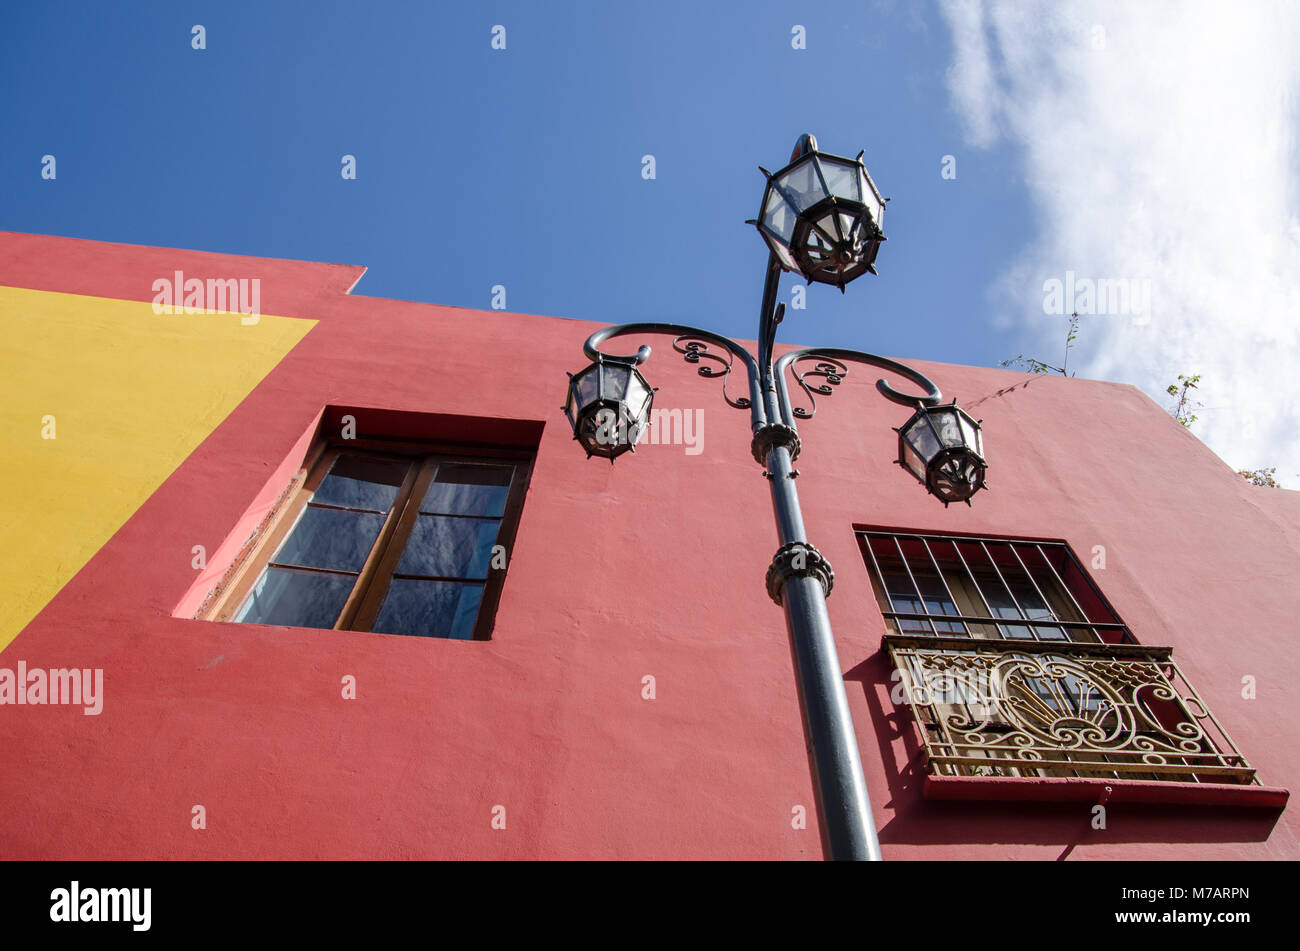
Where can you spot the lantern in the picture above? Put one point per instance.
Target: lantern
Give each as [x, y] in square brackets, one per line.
[821, 216]
[944, 448]
[608, 406]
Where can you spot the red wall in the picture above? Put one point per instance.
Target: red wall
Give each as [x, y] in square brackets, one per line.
[652, 566]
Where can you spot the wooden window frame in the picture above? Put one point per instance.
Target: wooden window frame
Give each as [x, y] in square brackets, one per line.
[364, 601]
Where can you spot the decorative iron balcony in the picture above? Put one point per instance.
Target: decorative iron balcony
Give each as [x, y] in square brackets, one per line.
[1020, 708]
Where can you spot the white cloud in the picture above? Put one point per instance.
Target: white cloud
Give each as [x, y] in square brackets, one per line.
[1159, 143]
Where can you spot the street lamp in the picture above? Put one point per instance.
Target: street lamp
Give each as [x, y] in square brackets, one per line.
[820, 217]
[944, 448]
[608, 406]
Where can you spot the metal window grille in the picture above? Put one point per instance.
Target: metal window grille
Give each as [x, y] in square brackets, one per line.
[1015, 665]
[987, 588]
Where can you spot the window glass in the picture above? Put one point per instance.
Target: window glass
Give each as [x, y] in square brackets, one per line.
[464, 489]
[447, 547]
[1012, 596]
[294, 598]
[361, 482]
[936, 602]
[430, 608]
[330, 538]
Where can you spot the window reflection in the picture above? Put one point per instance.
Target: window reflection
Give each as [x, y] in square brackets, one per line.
[292, 598]
[430, 608]
[462, 489]
[330, 538]
[445, 547]
[361, 482]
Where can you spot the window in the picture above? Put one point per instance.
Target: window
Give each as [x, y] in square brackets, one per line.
[971, 587]
[387, 538]
[1015, 665]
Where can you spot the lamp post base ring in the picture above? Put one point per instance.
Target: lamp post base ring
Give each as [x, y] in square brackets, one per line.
[775, 434]
[798, 560]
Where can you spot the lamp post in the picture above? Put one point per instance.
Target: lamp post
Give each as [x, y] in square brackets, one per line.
[821, 217]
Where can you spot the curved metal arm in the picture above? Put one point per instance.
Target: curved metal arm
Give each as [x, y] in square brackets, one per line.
[832, 369]
[696, 341]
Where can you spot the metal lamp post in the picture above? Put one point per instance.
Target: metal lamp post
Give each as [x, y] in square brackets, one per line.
[821, 217]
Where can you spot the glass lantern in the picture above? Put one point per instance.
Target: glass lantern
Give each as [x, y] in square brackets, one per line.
[608, 407]
[943, 447]
[821, 216]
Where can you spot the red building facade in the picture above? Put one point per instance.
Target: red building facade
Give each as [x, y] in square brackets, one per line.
[630, 694]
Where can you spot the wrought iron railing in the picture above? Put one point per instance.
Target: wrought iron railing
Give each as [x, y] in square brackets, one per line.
[1026, 708]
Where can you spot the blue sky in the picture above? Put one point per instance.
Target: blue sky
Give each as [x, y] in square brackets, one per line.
[522, 167]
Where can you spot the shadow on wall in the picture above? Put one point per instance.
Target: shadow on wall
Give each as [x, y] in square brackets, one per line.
[1002, 392]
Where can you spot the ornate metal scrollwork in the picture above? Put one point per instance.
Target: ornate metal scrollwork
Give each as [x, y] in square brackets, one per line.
[994, 710]
[832, 371]
[692, 349]
[693, 344]
[832, 368]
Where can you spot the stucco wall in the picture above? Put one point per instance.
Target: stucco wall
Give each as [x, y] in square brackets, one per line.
[653, 566]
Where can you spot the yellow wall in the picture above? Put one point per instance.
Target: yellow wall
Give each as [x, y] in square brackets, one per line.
[132, 394]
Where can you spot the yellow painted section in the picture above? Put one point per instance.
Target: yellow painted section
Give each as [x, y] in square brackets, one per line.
[132, 394]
